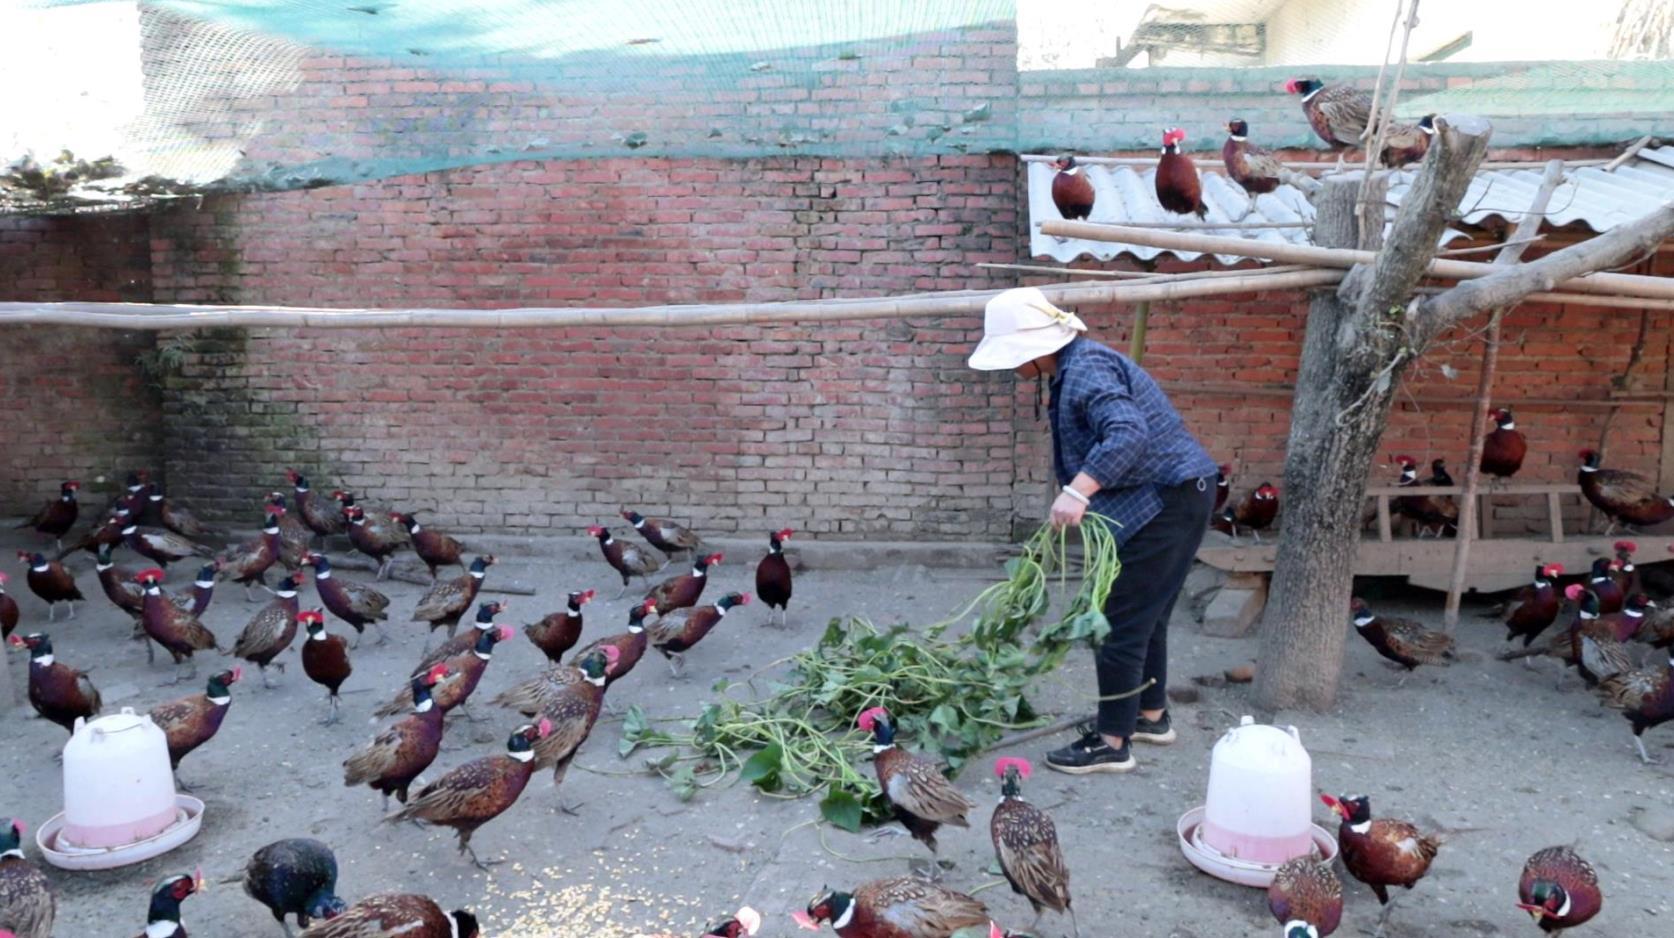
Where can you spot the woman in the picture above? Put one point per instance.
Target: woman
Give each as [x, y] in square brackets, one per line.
[1120, 449]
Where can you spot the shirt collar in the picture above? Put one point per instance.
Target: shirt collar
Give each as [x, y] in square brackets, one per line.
[1066, 355]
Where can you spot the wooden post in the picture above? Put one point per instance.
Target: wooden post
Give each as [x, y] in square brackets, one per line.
[1517, 242]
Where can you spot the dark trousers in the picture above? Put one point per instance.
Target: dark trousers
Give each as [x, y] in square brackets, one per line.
[1155, 561]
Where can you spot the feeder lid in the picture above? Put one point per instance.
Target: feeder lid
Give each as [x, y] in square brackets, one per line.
[1260, 740]
[116, 722]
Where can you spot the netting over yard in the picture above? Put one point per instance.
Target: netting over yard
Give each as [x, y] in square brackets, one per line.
[120, 101]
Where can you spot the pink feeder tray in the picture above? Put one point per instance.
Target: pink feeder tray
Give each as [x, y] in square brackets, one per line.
[66, 856]
[1232, 869]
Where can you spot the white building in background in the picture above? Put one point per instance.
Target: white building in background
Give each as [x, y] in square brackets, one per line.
[1137, 33]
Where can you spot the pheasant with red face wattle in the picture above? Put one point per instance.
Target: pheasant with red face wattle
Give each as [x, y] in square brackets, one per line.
[773, 576]
[58, 516]
[918, 789]
[556, 633]
[162, 917]
[1559, 890]
[397, 755]
[1601, 579]
[191, 721]
[325, 659]
[463, 642]
[626, 559]
[51, 582]
[249, 562]
[27, 903]
[677, 634]
[1178, 188]
[270, 631]
[376, 541]
[1253, 513]
[667, 536]
[447, 600]
[177, 630]
[1535, 607]
[1588, 644]
[1026, 844]
[57, 691]
[295, 537]
[295, 877]
[1306, 898]
[741, 924]
[323, 519]
[397, 915]
[8, 610]
[1626, 498]
[1254, 169]
[1504, 449]
[571, 712]
[683, 591]
[1402, 641]
[1433, 514]
[1645, 697]
[1625, 625]
[477, 792]
[630, 645]
[355, 603]
[898, 907]
[1072, 191]
[466, 669]
[1626, 572]
[1380, 853]
[1337, 113]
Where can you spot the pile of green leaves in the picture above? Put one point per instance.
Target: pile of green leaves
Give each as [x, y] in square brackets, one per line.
[953, 696]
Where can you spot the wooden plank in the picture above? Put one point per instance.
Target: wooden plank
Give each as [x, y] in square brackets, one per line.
[1532, 488]
[1555, 508]
[1665, 462]
[1237, 606]
[1386, 531]
[1485, 515]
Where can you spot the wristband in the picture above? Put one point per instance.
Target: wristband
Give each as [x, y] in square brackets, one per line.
[1072, 493]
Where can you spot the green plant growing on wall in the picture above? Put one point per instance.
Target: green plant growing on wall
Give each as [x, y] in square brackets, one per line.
[167, 357]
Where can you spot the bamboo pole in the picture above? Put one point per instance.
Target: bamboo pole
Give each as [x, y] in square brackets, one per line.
[1211, 156]
[1070, 271]
[1486, 248]
[1141, 323]
[1139, 275]
[1596, 283]
[954, 303]
[1516, 244]
[1208, 225]
[1582, 299]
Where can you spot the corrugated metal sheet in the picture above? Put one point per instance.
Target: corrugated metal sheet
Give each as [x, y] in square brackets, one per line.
[1126, 194]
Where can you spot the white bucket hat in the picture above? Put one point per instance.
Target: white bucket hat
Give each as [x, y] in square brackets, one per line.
[1020, 326]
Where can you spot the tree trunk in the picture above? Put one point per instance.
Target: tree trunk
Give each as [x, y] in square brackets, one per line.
[1359, 339]
[1305, 623]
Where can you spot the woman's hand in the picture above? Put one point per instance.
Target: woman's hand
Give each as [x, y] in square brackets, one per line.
[1067, 511]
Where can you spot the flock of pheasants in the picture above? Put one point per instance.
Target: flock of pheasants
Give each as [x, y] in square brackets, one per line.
[297, 877]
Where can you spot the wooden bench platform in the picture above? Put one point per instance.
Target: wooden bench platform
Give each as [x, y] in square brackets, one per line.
[1496, 563]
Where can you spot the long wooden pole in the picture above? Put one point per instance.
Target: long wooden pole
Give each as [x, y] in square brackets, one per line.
[955, 303]
[1516, 244]
[1600, 283]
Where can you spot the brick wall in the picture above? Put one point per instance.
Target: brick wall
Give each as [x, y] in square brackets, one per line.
[77, 405]
[844, 429]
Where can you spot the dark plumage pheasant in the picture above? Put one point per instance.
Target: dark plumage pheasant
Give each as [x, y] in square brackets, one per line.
[1535, 607]
[162, 917]
[51, 582]
[1645, 697]
[1402, 641]
[432, 546]
[249, 562]
[683, 591]
[191, 721]
[397, 755]
[355, 603]
[325, 659]
[1380, 853]
[270, 631]
[899, 907]
[323, 518]
[447, 600]
[57, 516]
[916, 788]
[630, 645]
[1026, 843]
[773, 575]
[667, 536]
[177, 630]
[28, 905]
[677, 634]
[478, 791]
[1559, 890]
[1626, 498]
[397, 915]
[465, 672]
[58, 692]
[627, 560]
[295, 877]
[1306, 898]
[556, 633]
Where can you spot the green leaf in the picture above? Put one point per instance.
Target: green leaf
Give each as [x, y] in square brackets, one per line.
[684, 782]
[945, 718]
[721, 686]
[841, 810]
[762, 769]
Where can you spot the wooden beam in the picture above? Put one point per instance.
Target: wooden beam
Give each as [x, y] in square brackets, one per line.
[952, 303]
[1214, 156]
[1608, 284]
[1665, 464]
[1555, 509]
[1516, 243]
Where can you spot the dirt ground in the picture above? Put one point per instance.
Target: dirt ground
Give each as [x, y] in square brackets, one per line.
[1485, 751]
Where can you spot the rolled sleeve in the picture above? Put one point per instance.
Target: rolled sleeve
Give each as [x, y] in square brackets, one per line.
[1119, 425]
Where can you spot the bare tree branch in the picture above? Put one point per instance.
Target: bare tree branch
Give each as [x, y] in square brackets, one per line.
[1615, 247]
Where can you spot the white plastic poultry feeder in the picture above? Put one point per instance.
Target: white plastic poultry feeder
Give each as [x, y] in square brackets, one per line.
[120, 806]
[1259, 812]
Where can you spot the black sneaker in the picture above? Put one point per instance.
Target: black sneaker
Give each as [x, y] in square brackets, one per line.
[1090, 754]
[1156, 732]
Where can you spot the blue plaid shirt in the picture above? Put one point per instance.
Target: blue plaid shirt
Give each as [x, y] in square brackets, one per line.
[1111, 421]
